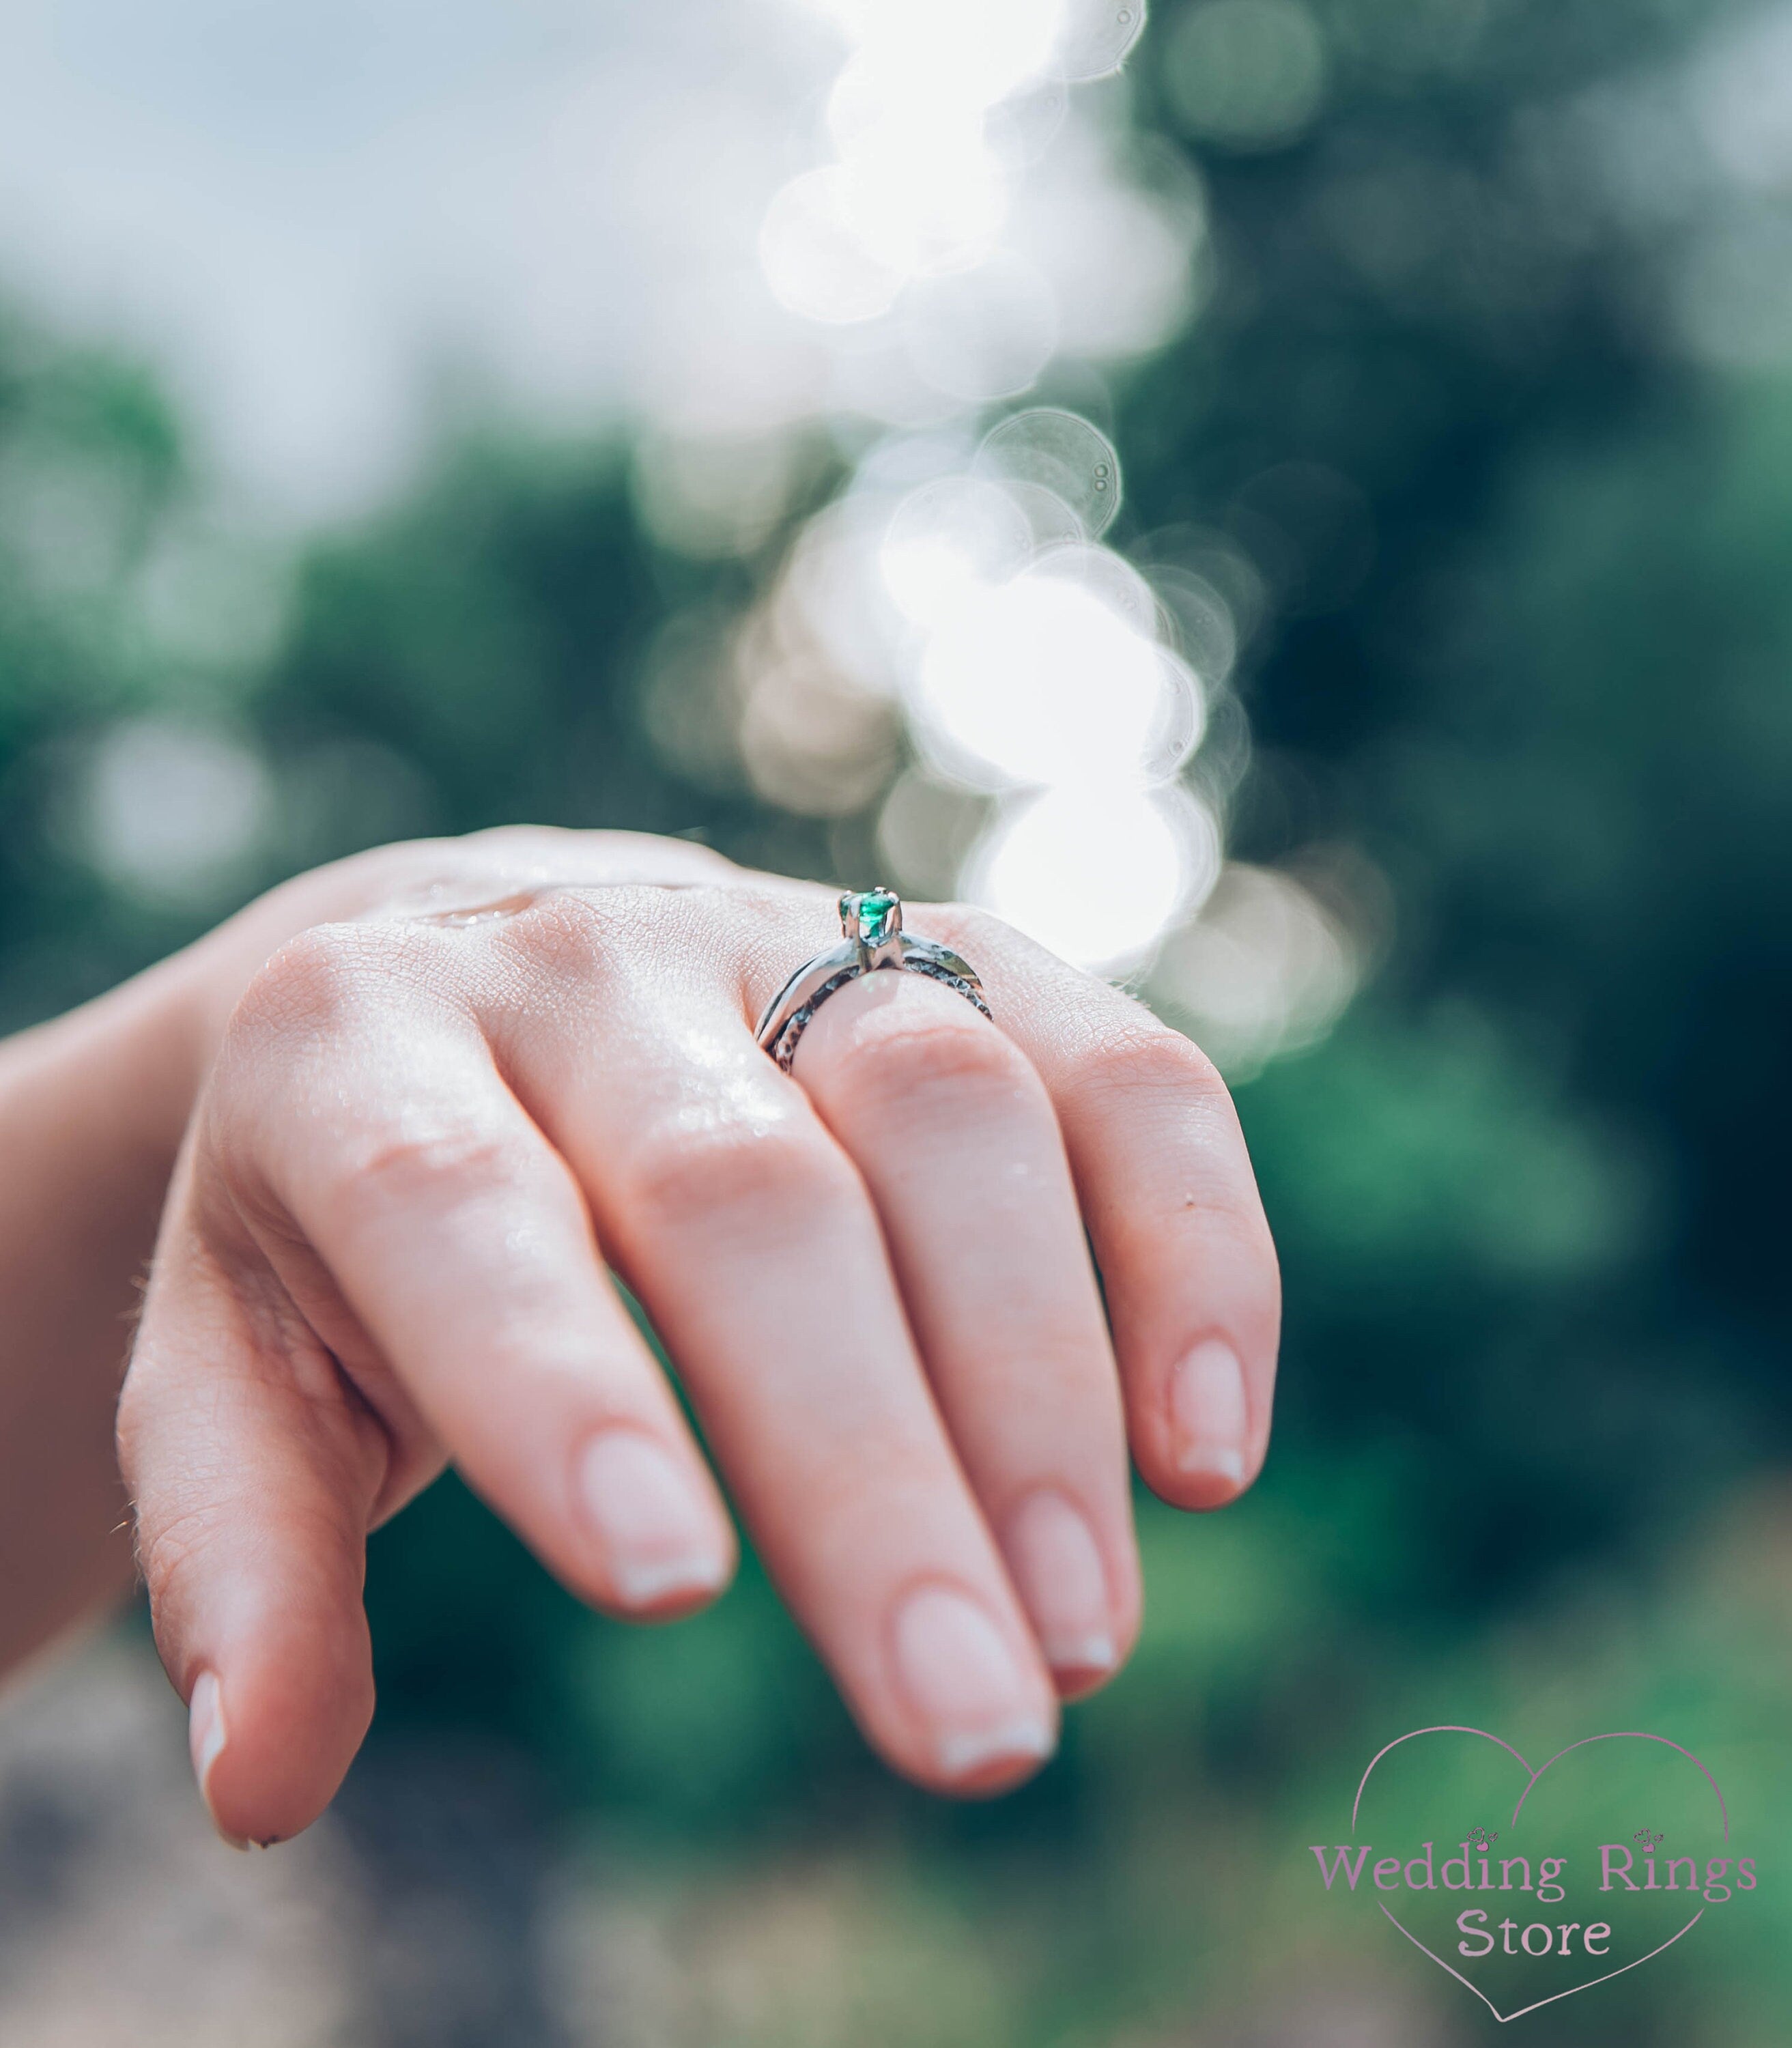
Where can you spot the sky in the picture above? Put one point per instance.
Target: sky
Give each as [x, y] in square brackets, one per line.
[322, 222]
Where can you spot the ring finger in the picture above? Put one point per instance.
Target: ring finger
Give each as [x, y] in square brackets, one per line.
[956, 1139]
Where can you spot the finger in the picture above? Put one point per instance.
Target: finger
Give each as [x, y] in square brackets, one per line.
[472, 1298]
[954, 1136]
[1171, 1204]
[252, 1471]
[745, 1230]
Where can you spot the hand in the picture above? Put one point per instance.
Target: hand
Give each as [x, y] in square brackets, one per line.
[431, 1124]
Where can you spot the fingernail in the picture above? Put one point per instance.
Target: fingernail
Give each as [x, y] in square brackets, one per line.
[206, 1736]
[661, 1539]
[1207, 1416]
[1052, 1551]
[981, 1707]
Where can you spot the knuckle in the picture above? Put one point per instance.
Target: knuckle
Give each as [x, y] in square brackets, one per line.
[600, 933]
[427, 1167]
[1144, 1059]
[573, 933]
[679, 1174]
[314, 984]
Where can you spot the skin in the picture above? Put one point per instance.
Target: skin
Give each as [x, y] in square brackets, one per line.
[397, 1118]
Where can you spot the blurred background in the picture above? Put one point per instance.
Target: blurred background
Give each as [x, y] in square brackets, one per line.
[1309, 482]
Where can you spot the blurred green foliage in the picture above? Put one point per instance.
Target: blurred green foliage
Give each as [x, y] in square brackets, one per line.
[1529, 625]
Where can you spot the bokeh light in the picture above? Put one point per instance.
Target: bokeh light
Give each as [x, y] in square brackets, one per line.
[1245, 74]
[1061, 455]
[1095, 874]
[1037, 681]
[1268, 969]
[167, 811]
[949, 543]
[816, 259]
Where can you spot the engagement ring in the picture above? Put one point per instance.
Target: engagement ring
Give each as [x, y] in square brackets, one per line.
[871, 920]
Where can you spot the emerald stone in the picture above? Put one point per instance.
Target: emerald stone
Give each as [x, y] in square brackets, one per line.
[879, 914]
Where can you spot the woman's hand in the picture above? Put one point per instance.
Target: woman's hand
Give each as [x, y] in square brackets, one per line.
[520, 1058]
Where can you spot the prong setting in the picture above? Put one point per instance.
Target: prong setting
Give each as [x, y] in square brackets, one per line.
[871, 920]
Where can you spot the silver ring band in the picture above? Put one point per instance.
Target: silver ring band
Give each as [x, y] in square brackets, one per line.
[872, 926]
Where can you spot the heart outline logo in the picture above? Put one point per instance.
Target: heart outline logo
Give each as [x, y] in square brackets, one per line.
[1614, 1735]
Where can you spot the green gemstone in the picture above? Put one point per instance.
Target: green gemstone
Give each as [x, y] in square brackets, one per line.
[877, 914]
